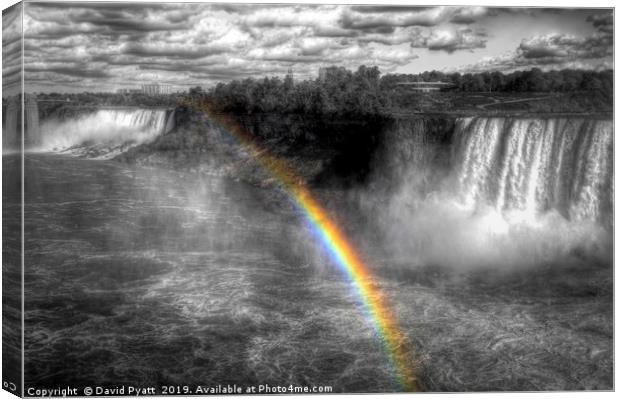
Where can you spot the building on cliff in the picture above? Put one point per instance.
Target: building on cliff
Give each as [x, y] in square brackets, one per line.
[156, 89]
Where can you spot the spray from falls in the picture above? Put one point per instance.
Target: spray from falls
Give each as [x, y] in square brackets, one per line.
[107, 132]
[330, 236]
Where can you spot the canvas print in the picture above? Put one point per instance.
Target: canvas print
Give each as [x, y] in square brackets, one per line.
[214, 198]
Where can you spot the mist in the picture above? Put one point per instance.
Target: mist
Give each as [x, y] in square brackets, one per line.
[442, 231]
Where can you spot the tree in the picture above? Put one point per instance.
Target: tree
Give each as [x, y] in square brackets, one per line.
[196, 91]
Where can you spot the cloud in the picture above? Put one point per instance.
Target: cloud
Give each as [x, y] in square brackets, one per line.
[192, 52]
[561, 47]
[388, 9]
[451, 40]
[11, 50]
[418, 26]
[559, 50]
[49, 20]
[334, 31]
[321, 51]
[11, 24]
[468, 15]
[111, 45]
[400, 36]
[604, 22]
[287, 16]
[177, 43]
[126, 24]
[239, 8]
[80, 72]
[372, 17]
[366, 21]
[553, 51]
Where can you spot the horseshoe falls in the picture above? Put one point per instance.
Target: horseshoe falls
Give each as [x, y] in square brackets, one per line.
[537, 165]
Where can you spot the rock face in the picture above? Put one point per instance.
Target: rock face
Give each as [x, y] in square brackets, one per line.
[420, 144]
[319, 150]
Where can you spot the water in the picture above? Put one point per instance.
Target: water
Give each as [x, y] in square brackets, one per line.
[149, 277]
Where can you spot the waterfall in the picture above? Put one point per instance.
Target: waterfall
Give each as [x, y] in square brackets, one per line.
[12, 123]
[32, 131]
[106, 132]
[170, 123]
[498, 193]
[535, 165]
[11, 140]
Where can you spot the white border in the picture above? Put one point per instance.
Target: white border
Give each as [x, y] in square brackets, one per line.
[529, 3]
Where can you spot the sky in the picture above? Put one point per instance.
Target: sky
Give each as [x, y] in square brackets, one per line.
[92, 46]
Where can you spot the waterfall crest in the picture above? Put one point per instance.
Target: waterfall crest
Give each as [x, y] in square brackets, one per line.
[106, 132]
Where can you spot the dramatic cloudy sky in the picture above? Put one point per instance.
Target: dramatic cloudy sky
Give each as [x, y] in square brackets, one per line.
[104, 46]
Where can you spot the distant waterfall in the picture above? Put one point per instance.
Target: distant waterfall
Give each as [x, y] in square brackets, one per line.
[11, 129]
[32, 137]
[535, 165]
[105, 133]
[170, 124]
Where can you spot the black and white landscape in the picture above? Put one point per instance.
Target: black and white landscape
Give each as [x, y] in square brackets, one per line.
[465, 155]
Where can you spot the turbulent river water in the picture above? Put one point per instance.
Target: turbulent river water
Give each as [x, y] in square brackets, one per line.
[143, 276]
[139, 276]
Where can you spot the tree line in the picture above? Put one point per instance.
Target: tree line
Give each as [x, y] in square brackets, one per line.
[533, 80]
[364, 92]
[339, 92]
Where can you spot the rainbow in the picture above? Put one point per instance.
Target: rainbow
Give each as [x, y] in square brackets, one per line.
[336, 245]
